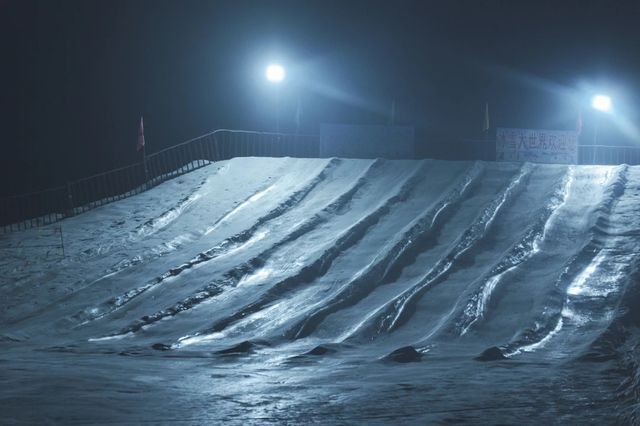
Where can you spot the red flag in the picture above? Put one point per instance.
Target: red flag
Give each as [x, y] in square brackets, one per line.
[140, 136]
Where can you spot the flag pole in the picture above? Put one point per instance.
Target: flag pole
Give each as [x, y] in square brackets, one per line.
[298, 116]
[144, 162]
[485, 130]
[142, 145]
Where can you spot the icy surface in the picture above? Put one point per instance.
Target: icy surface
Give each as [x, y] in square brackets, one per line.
[295, 291]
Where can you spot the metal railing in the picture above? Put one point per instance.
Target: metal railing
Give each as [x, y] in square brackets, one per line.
[51, 205]
[484, 149]
[608, 154]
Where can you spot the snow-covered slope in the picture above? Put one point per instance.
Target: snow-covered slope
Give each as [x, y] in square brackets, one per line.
[281, 286]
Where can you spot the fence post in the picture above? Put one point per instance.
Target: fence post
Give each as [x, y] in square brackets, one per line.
[200, 154]
[215, 148]
[190, 156]
[207, 149]
[62, 242]
[70, 209]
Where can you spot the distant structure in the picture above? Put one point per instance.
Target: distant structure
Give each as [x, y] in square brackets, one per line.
[366, 141]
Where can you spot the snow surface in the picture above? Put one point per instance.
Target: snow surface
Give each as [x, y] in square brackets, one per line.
[272, 290]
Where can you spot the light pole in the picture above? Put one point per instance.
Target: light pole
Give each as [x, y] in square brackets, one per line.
[600, 103]
[275, 74]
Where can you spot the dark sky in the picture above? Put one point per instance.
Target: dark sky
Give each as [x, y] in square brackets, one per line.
[77, 75]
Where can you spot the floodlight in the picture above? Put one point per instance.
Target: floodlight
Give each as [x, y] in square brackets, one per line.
[601, 103]
[275, 73]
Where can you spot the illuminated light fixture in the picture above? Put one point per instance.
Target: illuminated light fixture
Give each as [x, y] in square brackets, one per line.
[601, 103]
[275, 73]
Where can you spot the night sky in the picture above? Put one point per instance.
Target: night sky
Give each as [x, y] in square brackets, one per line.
[77, 75]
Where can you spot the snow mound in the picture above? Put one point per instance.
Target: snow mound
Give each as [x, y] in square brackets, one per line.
[270, 258]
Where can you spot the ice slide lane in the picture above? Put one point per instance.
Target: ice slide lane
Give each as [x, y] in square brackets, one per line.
[336, 291]
[440, 299]
[304, 174]
[368, 209]
[258, 190]
[298, 294]
[118, 268]
[221, 198]
[329, 234]
[522, 250]
[229, 244]
[520, 292]
[573, 248]
[530, 292]
[568, 246]
[609, 296]
[392, 255]
[275, 295]
[563, 245]
[586, 293]
[398, 310]
[339, 206]
[95, 243]
[592, 286]
[278, 303]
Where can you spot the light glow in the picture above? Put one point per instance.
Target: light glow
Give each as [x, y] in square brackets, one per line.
[601, 103]
[275, 73]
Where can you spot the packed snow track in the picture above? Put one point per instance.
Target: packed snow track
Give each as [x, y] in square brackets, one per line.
[296, 291]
